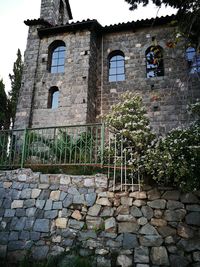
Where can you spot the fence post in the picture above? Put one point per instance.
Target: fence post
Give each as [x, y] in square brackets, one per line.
[23, 148]
[102, 142]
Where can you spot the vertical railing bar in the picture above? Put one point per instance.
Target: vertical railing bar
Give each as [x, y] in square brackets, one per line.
[86, 143]
[108, 155]
[91, 142]
[102, 143]
[121, 164]
[66, 142]
[23, 148]
[115, 156]
[125, 170]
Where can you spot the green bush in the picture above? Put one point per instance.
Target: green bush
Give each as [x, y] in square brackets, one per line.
[174, 159]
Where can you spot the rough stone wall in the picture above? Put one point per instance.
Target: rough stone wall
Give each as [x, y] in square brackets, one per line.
[165, 97]
[23, 113]
[50, 11]
[48, 214]
[72, 84]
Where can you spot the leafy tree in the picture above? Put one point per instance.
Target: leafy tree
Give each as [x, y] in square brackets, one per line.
[15, 78]
[4, 108]
[188, 13]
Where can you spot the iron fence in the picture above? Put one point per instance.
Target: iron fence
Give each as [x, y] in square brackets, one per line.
[78, 145]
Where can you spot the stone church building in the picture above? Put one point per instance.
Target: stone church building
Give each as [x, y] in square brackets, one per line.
[74, 71]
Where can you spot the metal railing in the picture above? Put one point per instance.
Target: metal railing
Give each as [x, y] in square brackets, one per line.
[70, 145]
[78, 145]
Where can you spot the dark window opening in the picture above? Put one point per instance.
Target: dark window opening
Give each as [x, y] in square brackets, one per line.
[193, 59]
[154, 62]
[53, 98]
[116, 67]
[57, 57]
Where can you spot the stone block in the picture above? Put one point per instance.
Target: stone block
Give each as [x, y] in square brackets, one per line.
[76, 215]
[101, 181]
[128, 227]
[44, 178]
[171, 195]
[68, 201]
[55, 195]
[124, 261]
[40, 203]
[30, 212]
[129, 241]
[18, 224]
[151, 240]
[107, 212]
[126, 201]
[90, 199]
[94, 223]
[75, 224]
[89, 182]
[193, 218]
[110, 225]
[65, 180]
[139, 203]
[78, 199]
[28, 203]
[135, 211]
[48, 205]
[174, 215]
[50, 214]
[148, 229]
[9, 213]
[57, 205]
[141, 254]
[17, 204]
[158, 222]
[35, 193]
[26, 193]
[159, 256]
[103, 201]
[165, 231]
[173, 205]
[153, 194]
[157, 204]
[138, 195]
[41, 225]
[61, 223]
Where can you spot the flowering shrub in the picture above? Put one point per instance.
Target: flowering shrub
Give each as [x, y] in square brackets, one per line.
[174, 159]
[128, 121]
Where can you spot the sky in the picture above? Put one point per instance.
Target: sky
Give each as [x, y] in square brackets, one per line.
[14, 32]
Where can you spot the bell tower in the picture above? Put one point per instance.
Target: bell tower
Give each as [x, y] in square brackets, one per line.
[56, 12]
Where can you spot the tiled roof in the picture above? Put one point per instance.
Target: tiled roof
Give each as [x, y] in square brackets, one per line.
[49, 29]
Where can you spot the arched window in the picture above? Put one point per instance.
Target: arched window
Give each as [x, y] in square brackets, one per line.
[57, 57]
[154, 61]
[193, 59]
[53, 98]
[116, 66]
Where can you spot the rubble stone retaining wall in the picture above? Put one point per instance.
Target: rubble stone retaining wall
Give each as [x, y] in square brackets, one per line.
[49, 214]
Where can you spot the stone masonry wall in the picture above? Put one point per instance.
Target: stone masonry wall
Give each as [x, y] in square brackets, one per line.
[165, 98]
[49, 214]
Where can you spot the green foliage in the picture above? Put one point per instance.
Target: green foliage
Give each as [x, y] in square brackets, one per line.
[129, 122]
[4, 108]
[174, 160]
[188, 13]
[72, 259]
[15, 79]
